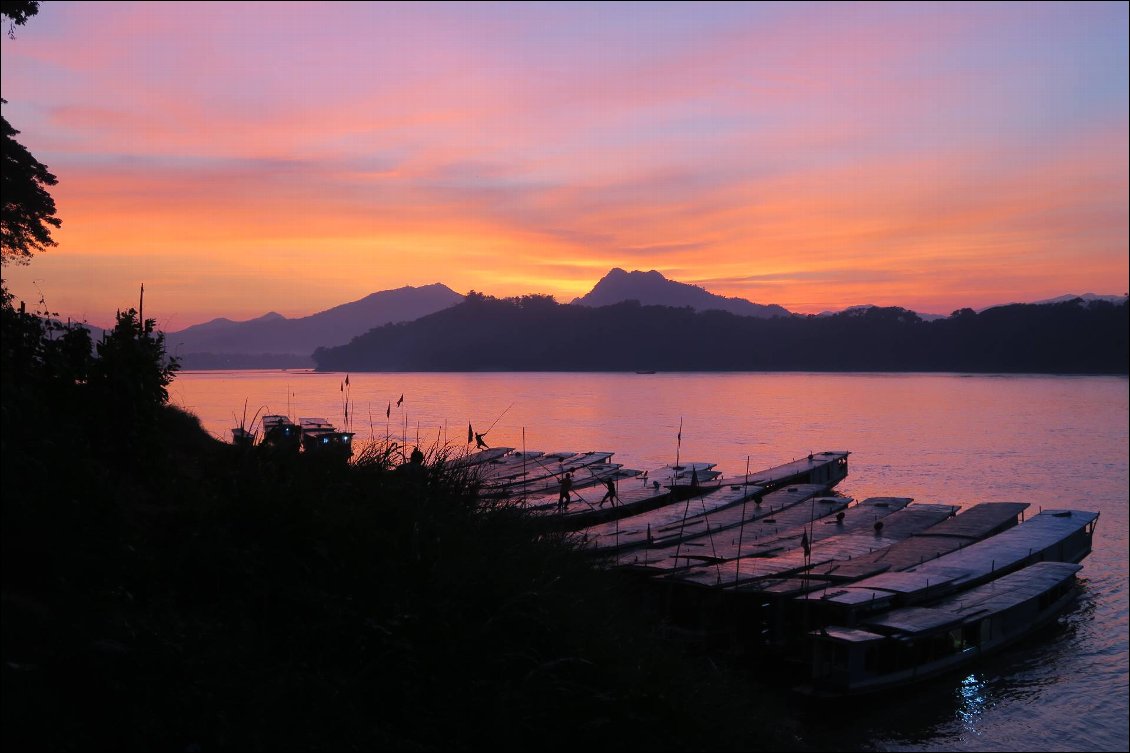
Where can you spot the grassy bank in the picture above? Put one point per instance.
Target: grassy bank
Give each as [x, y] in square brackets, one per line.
[165, 590]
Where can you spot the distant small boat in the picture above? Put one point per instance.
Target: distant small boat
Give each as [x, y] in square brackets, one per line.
[645, 372]
[281, 433]
[320, 436]
[241, 437]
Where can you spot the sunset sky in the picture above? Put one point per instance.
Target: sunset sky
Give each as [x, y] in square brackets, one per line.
[239, 158]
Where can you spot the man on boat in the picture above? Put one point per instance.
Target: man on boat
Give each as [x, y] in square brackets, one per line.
[479, 442]
[610, 495]
[563, 498]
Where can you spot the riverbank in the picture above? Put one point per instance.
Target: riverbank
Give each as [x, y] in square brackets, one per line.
[197, 596]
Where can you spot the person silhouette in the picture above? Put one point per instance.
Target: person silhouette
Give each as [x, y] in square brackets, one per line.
[610, 495]
[479, 443]
[563, 496]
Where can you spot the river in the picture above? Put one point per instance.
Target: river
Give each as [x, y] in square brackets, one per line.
[1052, 441]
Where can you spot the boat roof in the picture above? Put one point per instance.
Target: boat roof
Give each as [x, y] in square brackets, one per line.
[830, 551]
[974, 562]
[762, 528]
[974, 521]
[633, 530]
[481, 456]
[1015, 544]
[969, 525]
[990, 598]
[771, 476]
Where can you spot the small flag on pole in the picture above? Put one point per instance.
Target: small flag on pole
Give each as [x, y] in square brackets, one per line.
[401, 400]
[388, 410]
[470, 434]
[346, 380]
[805, 545]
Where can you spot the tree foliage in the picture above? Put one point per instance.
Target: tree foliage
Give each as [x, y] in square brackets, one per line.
[17, 12]
[132, 370]
[29, 210]
[54, 369]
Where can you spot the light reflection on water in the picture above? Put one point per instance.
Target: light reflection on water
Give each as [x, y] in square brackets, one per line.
[957, 439]
[973, 700]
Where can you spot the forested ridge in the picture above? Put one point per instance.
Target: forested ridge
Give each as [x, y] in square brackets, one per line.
[535, 333]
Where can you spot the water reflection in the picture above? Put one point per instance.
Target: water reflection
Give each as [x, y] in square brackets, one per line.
[973, 693]
[1051, 441]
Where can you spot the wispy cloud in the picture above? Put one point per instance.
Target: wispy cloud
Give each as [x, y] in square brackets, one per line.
[812, 155]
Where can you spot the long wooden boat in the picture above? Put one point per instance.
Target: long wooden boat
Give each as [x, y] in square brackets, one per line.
[828, 538]
[513, 465]
[718, 537]
[479, 457]
[735, 598]
[900, 545]
[1053, 535]
[743, 494]
[640, 529]
[911, 644]
[547, 478]
[829, 467]
[636, 493]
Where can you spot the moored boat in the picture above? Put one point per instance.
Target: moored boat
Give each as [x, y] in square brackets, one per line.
[321, 437]
[241, 437]
[910, 644]
[281, 433]
[1053, 535]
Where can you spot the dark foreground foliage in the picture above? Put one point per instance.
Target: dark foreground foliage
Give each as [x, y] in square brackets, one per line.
[164, 590]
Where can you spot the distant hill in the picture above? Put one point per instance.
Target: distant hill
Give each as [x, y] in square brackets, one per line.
[274, 341]
[653, 289]
[535, 333]
[863, 307]
[1087, 297]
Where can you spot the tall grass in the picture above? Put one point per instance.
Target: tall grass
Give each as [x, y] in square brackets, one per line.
[202, 598]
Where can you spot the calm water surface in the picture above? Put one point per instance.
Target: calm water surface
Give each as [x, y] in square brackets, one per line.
[1052, 441]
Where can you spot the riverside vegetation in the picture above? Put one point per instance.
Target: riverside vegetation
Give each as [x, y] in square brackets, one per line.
[165, 590]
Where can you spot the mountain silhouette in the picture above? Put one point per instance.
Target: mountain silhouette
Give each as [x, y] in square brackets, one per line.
[243, 344]
[653, 289]
[535, 333]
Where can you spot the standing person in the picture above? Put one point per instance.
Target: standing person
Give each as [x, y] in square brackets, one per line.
[563, 498]
[610, 495]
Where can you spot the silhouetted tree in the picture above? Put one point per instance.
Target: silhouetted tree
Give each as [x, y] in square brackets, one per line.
[132, 367]
[17, 12]
[29, 209]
